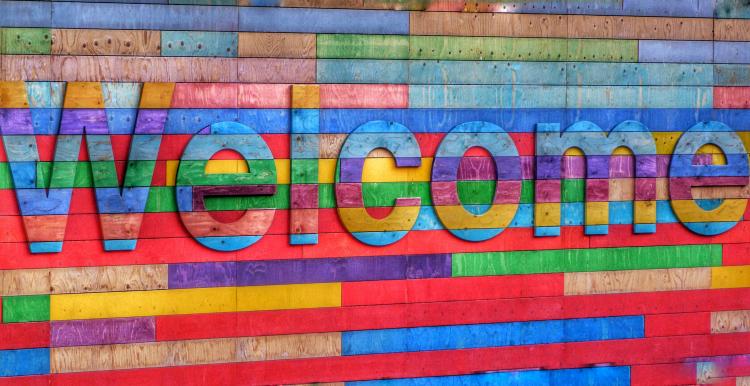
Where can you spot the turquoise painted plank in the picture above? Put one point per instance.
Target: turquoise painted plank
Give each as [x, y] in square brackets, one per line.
[196, 43]
[121, 95]
[362, 71]
[639, 74]
[640, 97]
[483, 96]
[45, 94]
[486, 72]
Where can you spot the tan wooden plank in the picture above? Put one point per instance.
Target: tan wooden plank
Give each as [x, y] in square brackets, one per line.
[633, 27]
[106, 42]
[604, 282]
[732, 29]
[276, 45]
[24, 282]
[264, 348]
[723, 322]
[104, 279]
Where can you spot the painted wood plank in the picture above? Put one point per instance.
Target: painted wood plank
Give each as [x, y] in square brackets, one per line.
[26, 14]
[349, 46]
[197, 43]
[731, 52]
[102, 331]
[17, 41]
[144, 16]
[191, 301]
[531, 49]
[489, 335]
[584, 260]
[105, 42]
[659, 51]
[260, 19]
[160, 69]
[275, 45]
[587, 283]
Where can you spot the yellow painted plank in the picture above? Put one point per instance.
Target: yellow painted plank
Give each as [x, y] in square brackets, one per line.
[730, 277]
[193, 301]
[156, 95]
[282, 297]
[305, 96]
[13, 95]
[83, 95]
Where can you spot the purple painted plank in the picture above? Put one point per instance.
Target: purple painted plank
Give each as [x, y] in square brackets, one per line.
[272, 272]
[151, 121]
[74, 121]
[16, 122]
[349, 195]
[102, 331]
[202, 275]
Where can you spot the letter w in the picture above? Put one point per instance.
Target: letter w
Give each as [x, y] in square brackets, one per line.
[45, 207]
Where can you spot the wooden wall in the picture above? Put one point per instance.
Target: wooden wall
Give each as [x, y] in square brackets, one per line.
[116, 269]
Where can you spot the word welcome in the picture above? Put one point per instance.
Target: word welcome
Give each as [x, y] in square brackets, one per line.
[45, 209]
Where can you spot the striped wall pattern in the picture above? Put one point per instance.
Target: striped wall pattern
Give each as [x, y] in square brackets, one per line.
[627, 282]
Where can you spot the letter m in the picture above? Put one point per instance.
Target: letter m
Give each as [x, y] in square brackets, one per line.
[597, 146]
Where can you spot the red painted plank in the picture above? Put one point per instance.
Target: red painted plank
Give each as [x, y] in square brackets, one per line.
[445, 313]
[736, 254]
[31, 380]
[355, 96]
[663, 374]
[731, 97]
[24, 335]
[443, 290]
[678, 324]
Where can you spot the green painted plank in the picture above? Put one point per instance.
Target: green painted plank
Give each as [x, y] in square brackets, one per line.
[347, 46]
[585, 260]
[34, 308]
[522, 49]
[26, 41]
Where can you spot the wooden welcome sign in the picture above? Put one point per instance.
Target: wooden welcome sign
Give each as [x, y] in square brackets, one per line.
[225, 192]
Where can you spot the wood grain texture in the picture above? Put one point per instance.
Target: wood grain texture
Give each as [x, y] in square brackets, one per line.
[276, 45]
[265, 348]
[24, 282]
[732, 29]
[560, 26]
[156, 69]
[106, 42]
[104, 279]
[724, 322]
[193, 352]
[588, 283]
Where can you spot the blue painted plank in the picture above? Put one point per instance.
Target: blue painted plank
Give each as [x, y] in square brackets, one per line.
[144, 16]
[25, 13]
[323, 20]
[672, 8]
[490, 335]
[611, 376]
[486, 72]
[732, 52]
[671, 51]
[15, 363]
